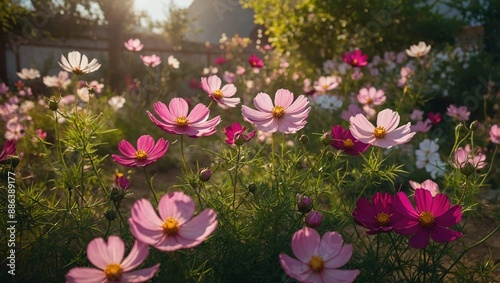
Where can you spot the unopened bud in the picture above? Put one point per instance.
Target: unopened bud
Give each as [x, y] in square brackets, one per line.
[326, 138]
[304, 139]
[467, 169]
[314, 219]
[110, 214]
[116, 194]
[204, 174]
[330, 155]
[304, 204]
[252, 187]
[53, 105]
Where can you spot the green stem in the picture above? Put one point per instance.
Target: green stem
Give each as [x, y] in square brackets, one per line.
[236, 175]
[120, 214]
[182, 154]
[150, 185]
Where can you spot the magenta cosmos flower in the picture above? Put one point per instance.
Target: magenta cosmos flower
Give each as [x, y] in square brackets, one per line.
[255, 62]
[133, 44]
[371, 97]
[9, 148]
[378, 216]
[284, 116]
[495, 134]
[318, 259]
[151, 60]
[431, 218]
[174, 229]
[146, 153]
[385, 134]
[176, 119]
[223, 96]
[111, 267]
[345, 141]
[355, 59]
[237, 134]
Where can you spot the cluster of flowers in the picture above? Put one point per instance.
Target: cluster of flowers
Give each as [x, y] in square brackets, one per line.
[153, 60]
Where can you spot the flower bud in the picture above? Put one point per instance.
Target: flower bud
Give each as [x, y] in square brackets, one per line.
[326, 138]
[304, 139]
[304, 204]
[467, 169]
[110, 214]
[330, 155]
[314, 219]
[252, 187]
[204, 174]
[53, 105]
[116, 194]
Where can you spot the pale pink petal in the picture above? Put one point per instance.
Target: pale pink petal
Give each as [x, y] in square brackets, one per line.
[145, 216]
[141, 275]
[198, 229]
[86, 275]
[168, 244]
[214, 82]
[199, 114]
[151, 237]
[283, 97]
[205, 86]
[305, 244]
[339, 276]
[229, 90]
[298, 105]
[388, 119]
[294, 268]
[178, 107]
[331, 243]
[101, 253]
[263, 102]
[341, 258]
[230, 102]
[269, 126]
[254, 115]
[137, 255]
[176, 205]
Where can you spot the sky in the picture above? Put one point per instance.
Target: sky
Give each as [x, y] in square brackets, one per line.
[157, 8]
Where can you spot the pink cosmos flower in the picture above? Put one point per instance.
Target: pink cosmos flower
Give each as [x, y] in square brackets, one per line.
[385, 134]
[406, 72]
[344, 140]
[378, 216]
[431, 218]
[318, 259]
[177, 121]
[428, 184]
[465, 157]
[220, 60]
[9, 148]
[223, 96]
[417, 115]
[458, 113]
[285, 115]
[495, 134]
[352, 110]
[147, 151]
[133, 44]
[355, 59]
[173, 229]
[314, 219]
[229, 77]
[151, 60]
[255, 62]
[324, 84]
[61, 81]
[435, 118]
[121, 182]
[356, 74]
[421, 127]
[237, 135]
[28, 74]
[15, 130]
[111, 267]
[41, 133]
[3, 88]
[371, 97]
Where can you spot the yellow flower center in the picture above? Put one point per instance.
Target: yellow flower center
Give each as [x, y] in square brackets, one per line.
[181, 121]
[369, 101]
[218, 94]
[383, 218]
[348, 143]
[355, 61]
[316, 263]
[139, 155]
[426, 219]
[325, 87]
[278, 111]
[170, 226]
[119, 175]
[379, 132]
[113, 272]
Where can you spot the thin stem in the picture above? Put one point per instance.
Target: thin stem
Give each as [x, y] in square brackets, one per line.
[150, 185]
[120, 214]
[236, 175]
[182, 154]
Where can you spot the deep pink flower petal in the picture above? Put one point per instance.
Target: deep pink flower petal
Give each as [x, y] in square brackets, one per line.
[263, 102]
[405, 226]
[178, 107]
[176, 205]
[141, 275]
[137, 255]
[421, 239]
[423, 200]
[339, 276]
[283, 97]
[403, 205]
[305, 244]
[440, 204]
[125, 161]
[145, 142]
[449, 218]
[443, 235]
[197, 229]
[159, 150]
[86, 275]
[294, 268]
[126, 148]
[163, 112]
[199, 114]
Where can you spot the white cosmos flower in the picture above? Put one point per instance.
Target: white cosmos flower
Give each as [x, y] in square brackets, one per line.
[28, 74]
[418, 50]
[427, 153]
[116, 102]
[172, 61]
[78, 63]
[83, 93]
